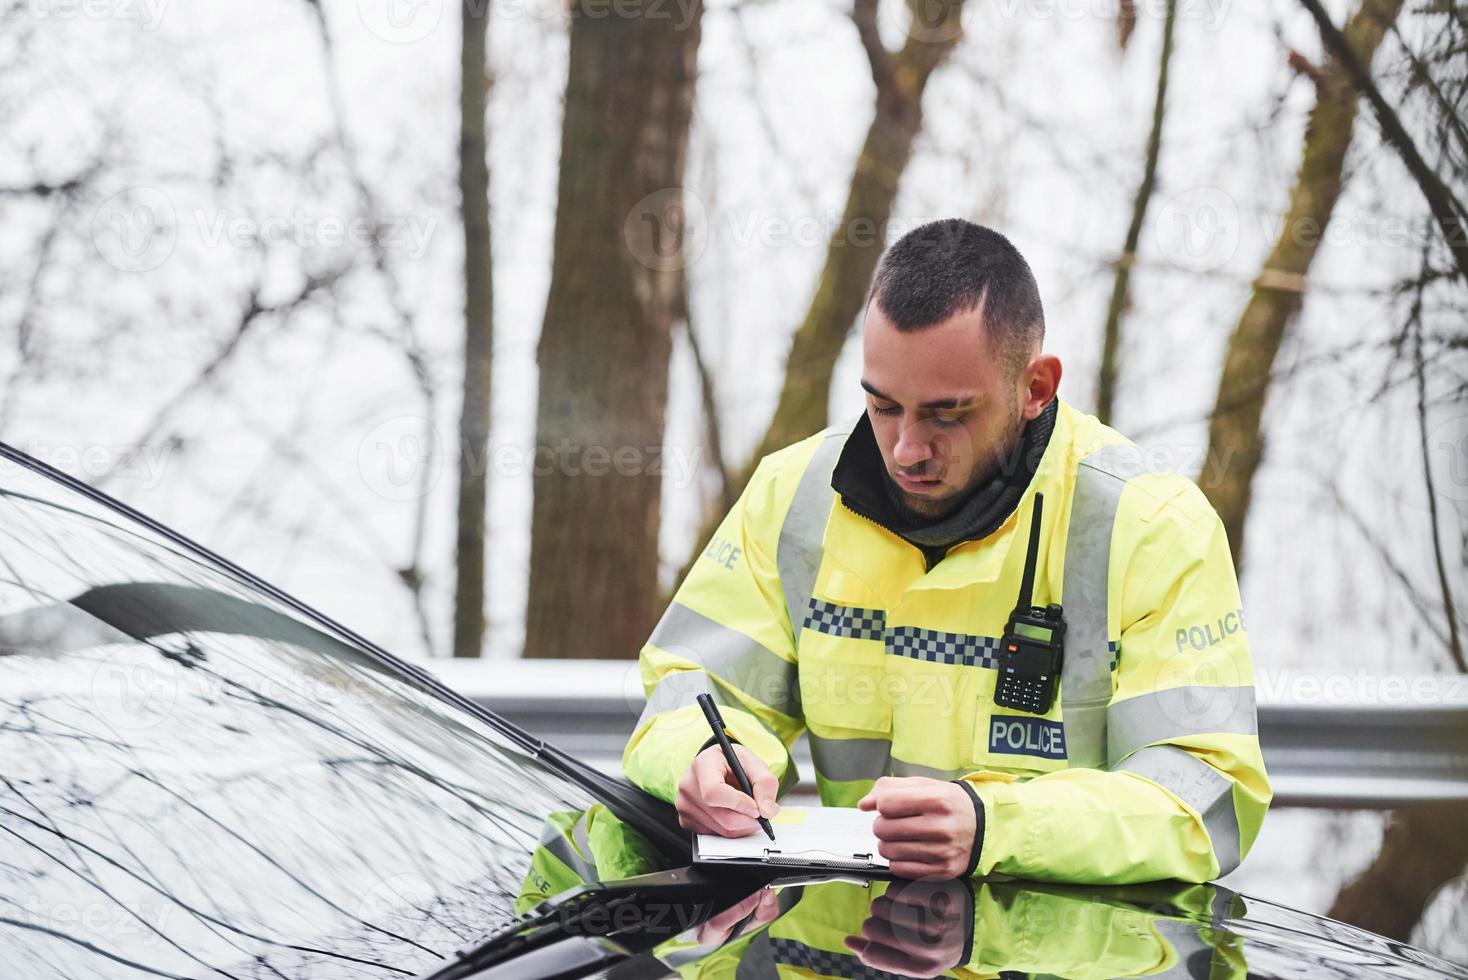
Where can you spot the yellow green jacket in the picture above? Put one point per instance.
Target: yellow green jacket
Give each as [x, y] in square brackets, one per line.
[1011, 929]
[802, 617]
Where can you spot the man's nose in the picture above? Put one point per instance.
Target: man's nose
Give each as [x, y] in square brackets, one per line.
[912, 447]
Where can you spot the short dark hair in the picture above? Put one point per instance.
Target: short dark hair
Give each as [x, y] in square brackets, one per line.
[948, 267]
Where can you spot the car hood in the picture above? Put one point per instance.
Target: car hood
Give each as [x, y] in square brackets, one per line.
[692, 921]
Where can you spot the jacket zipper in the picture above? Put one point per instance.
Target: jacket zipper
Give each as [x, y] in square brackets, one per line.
[872, 520]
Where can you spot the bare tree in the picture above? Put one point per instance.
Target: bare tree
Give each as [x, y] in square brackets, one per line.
[1116, 310]
[607, 337]
[1423, 846]
[900, 78]
[1235, 429]
[474, 417]
[404, 334]
[1447, 210]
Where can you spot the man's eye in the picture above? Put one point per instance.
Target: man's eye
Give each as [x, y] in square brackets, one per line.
[944, 421]
[891, 410]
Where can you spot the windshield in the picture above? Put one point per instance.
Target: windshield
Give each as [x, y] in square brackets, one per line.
[195, 780]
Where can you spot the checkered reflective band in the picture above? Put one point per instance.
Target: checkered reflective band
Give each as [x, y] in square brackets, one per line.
[934, 646]
[845, 621]
[826, 963]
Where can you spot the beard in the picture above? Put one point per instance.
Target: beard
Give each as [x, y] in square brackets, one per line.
[1001, 457]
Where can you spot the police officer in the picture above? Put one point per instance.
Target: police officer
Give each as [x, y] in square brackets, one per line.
[1061, 692]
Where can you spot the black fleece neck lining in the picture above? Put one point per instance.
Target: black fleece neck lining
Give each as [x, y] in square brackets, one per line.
[861, 478]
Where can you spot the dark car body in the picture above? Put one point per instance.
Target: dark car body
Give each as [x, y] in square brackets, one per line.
[200, 776]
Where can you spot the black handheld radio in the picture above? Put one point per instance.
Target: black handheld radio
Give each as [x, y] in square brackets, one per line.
[1033, 647]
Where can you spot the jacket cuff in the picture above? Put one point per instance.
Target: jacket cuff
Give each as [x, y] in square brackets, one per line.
[973, 858]
[970, 917]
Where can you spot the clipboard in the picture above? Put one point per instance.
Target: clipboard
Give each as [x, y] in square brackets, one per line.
[839, 838]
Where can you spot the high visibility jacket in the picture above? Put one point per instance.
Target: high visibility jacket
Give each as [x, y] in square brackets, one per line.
[579, 847]
[801, 616]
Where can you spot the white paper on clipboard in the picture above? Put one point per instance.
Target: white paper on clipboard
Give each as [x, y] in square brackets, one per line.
[807, 837]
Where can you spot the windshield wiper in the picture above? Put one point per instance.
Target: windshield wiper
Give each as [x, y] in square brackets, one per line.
[587, 929]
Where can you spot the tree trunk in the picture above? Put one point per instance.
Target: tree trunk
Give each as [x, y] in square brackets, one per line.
[1424, 847]
[1121, 288]
[1235, 431]
[474, 417]
[857, 243]
[607, 337]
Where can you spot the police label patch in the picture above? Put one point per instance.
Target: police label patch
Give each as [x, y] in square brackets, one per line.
[722, 552]
[1013, 735]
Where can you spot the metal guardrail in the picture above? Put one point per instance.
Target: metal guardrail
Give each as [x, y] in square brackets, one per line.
[1365, 747]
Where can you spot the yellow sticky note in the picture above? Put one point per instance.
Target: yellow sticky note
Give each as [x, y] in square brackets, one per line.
[789, 816]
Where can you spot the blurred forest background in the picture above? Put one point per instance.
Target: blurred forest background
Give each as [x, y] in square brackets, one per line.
[462, 322]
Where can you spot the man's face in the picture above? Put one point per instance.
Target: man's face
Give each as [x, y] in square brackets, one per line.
[945, 410]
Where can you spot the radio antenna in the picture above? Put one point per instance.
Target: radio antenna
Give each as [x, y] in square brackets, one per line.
[1027, 583]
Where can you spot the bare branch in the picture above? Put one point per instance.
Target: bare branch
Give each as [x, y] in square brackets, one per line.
[412, 345]
[1410, 589]
[713, 430]
[43, 188]
[1450, 610]
[864, 16]
[251, 314]
[1121, 286]
[1446, 208]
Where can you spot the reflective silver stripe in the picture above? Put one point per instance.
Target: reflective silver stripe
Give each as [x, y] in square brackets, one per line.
[682, 957]
[581, 837]
[802, 535]
[1085, 732]
[1226, 906]
[555, 842]
[758, 961]
[675, 691]
[1177, 713]
[1201, 787]
[845, 759]
[1085, 678]
[733, 657]
[901, 767]
[1194, 954]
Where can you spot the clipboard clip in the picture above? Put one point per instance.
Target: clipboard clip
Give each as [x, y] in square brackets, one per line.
[805, 859]
[818, 878]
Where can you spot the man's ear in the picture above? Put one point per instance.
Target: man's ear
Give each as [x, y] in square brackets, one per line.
[1044, 381]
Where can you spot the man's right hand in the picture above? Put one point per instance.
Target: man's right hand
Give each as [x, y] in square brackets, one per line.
[710, 801]
[916, 929]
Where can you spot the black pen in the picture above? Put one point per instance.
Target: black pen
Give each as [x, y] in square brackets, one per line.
[711, 712]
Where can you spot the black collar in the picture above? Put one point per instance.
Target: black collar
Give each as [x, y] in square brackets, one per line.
[861, 478]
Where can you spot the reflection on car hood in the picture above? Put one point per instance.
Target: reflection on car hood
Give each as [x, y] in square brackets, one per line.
[696, 922]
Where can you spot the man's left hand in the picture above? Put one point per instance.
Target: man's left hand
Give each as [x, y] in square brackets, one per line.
[925, 827]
